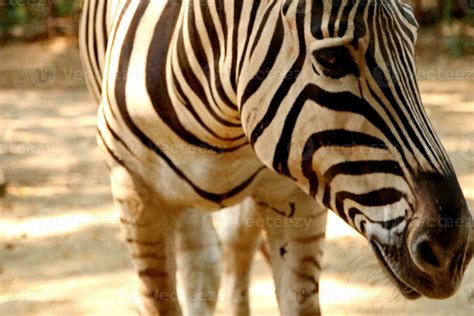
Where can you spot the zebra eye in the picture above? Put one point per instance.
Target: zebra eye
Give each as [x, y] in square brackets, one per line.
[336, 62]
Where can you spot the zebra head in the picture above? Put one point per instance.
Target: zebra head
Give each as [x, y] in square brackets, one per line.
[354, 134]
[386, 173]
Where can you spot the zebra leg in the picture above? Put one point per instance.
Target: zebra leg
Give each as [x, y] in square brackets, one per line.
[149, 227]
[198, 254]
[295, 233]
[239, 235]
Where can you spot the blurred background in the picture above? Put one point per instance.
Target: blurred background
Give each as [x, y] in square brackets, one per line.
[61, 249]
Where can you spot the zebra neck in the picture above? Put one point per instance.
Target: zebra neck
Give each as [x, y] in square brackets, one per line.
[203, 60]
[211, 42]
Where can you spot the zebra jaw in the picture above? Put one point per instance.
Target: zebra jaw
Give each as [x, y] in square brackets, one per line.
[406, 290]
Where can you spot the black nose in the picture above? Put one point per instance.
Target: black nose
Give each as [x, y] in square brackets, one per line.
[441, 239]
[428, 255]
[433, 257]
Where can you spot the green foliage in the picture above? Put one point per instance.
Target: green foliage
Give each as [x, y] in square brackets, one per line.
[458, 45]
[65, 8]
[457, 39]
[28, 19]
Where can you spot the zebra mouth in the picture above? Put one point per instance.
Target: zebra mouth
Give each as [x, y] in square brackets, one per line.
[406, 290]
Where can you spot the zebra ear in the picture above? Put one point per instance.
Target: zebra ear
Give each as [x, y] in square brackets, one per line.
[408, 13]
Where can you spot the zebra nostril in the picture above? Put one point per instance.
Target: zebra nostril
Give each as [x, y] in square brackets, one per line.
[427, 255]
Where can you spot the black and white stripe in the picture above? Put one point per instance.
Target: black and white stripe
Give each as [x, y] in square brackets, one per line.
[201, 99]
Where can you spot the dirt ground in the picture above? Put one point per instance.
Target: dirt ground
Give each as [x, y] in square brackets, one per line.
[61, 250]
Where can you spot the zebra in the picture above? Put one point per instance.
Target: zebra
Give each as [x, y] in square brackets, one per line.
[235, 241]
[301, 106]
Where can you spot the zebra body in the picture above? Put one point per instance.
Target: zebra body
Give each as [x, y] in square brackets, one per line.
[165, 137]
[300, 105]
[237, 242]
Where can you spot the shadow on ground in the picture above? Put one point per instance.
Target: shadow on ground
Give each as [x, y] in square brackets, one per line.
[60, 246]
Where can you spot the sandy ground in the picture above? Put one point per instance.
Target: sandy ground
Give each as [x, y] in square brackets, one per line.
[61, 250]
